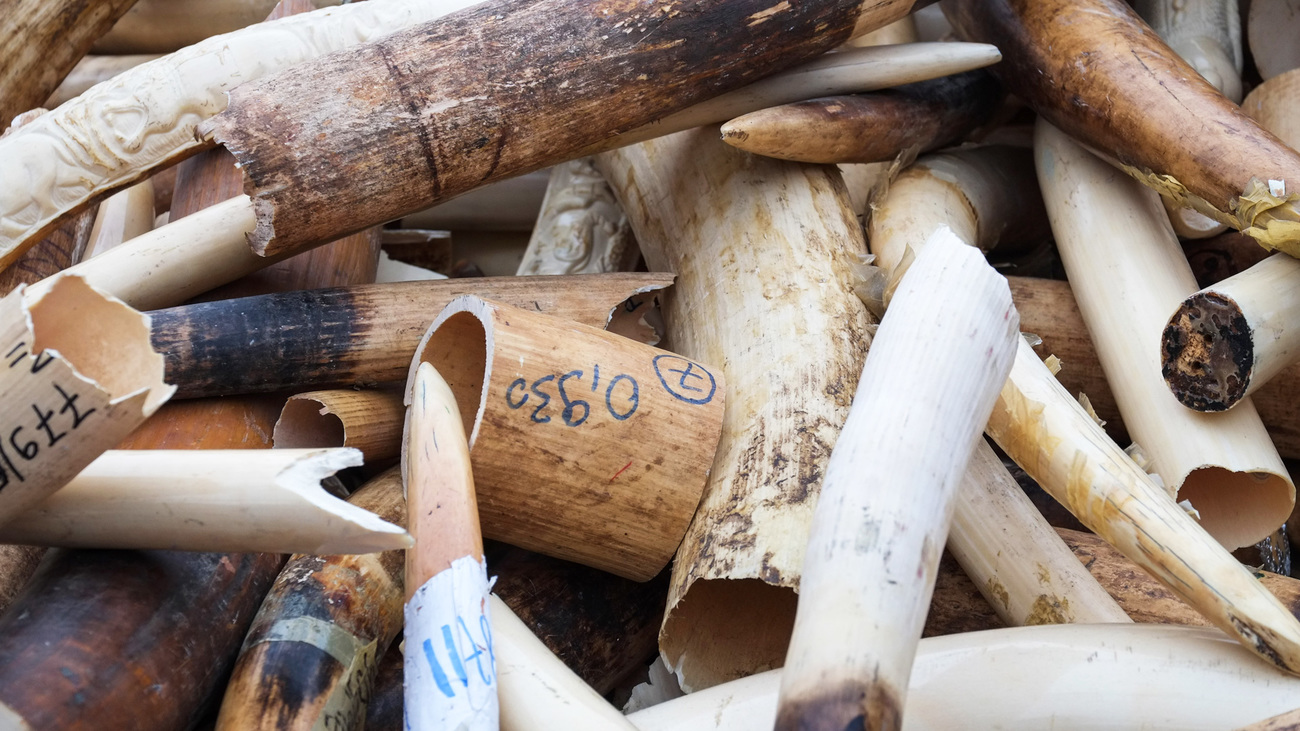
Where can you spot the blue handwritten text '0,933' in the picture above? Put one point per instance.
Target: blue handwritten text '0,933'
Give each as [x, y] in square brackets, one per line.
[682, 379]
[484, 672]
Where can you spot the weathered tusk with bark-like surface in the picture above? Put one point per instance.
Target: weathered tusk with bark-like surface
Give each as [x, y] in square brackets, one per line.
[210, 500]
[1289, 721]
[1205, 33]
[360, 335]
[1232, 337]
[164, 26]
[1127, 271]
[869, 127]
[791, 344]
[594, 452]
[446, 575]
[77, 376]
[41, 41]
[1031, 678]
[1143, 107]
[538, 692]
[303, 631]
[486, 129]
[370, 421]
[887, 500]
[167, 98]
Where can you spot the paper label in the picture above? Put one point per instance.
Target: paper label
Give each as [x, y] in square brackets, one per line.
[450, 667]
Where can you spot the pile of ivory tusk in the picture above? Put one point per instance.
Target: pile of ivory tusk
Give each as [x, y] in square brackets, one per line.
[579, 364]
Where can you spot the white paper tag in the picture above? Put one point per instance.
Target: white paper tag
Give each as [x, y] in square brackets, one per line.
[450, 669]
[1277, 188]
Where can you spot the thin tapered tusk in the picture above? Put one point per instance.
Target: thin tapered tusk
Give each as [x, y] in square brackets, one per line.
[693, 201]
[1127, 271]
[78, 375]
[207, 500]
[369, 421]
[1031, 678]
[448, 622]
[869, 127]
[173, 93]
[1016, 560]
[242, 346]
[303, 630]
[947, 342]
[538, 692]
[851, 71]
[1147, 111]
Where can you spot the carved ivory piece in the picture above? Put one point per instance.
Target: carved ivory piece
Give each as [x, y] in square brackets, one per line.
[581, 229]
[586, 445]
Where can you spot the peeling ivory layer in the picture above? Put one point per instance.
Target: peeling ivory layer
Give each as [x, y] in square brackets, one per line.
[267, 500]
[78, 374]
[124, 128]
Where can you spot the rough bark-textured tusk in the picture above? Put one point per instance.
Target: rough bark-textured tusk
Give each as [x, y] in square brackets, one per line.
[93, 70]
[1143, 107]
[212, 500]
[1016, 560]
[41, 41]
[448, 623]
[370, 421]
[169, 97]
[1271, 31]
[693, 202]
[887, 500]
[123, 216]
[1205, 33]
[304, 631]
[78, 375]
[485, 129]
[1152, 676]
[1225, 342]
[595, 452]
[869, 127]
[360, 335]
[1127, 272]
[538, 692]
[580, 229]
[164, 26]
[62, 248]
